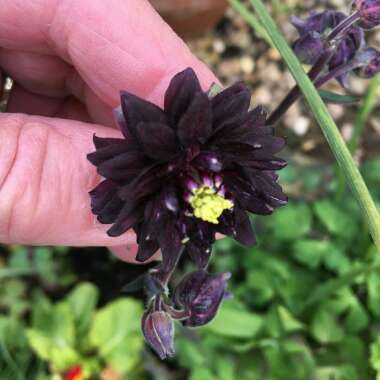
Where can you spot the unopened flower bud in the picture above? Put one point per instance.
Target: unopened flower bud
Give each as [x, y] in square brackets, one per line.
[158, 330]
[370, 63]
[313, 40]
[369, 11]
[201, 294]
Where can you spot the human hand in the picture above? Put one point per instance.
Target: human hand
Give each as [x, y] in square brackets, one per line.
[69, 60]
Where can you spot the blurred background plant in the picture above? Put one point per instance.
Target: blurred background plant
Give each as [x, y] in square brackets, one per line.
[306, 299]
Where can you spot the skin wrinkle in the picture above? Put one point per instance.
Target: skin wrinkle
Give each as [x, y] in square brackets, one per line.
[6, 178]
[39, 173]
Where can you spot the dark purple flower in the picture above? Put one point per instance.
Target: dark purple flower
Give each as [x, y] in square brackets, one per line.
[312, 43]
[200, 294]
[369, 59]
[369, 11]
[158, 330]
[185, 173]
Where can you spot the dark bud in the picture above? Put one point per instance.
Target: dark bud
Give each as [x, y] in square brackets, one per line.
[313, 35]
[158, 330]
[309, 47]
[200, 294]
[369, 11]
[369, 60]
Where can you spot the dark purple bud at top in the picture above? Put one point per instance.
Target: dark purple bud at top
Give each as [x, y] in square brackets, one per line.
[158, 330]
[314, 32]
[318, 22]
[369, 59]
[309, 48]
[369, 11]
[200, 294]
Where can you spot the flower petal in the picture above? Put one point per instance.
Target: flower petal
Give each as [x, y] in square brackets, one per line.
[230, 105]
[243, 229]
[148, 182]
[111, 210]
[171, 245]
[102, 142]
[137, 110]
[108, 151]
[146, 250]
[105, 203]
[158, 140]
[127, 218]
[208, 161]
[101, 195]
[180, 93]
[123, 167]
[195, 124]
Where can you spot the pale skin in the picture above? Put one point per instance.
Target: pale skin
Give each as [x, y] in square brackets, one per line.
[69, 60]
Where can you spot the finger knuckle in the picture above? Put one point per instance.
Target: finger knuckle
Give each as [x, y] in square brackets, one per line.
[21, 169]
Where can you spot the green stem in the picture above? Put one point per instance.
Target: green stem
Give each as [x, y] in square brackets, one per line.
[325, 121]
[365, 111]
[362, 116]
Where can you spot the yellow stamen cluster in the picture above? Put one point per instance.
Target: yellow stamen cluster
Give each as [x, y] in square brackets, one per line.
[208, 205]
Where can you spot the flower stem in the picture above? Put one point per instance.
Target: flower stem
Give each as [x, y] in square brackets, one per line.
[326, 123]
[365, 110]
[295, 92]
[358, 126]
[341, 28]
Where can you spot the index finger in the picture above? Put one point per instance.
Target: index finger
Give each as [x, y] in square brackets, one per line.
[113, 44]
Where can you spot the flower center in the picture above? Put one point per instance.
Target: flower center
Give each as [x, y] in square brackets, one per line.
[208, 205]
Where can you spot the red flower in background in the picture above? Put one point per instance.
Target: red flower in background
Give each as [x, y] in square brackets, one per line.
[74, 373]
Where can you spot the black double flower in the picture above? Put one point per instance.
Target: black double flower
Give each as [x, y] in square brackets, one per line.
[185, 173]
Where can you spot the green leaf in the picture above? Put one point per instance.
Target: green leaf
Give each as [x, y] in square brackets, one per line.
[373, 293]
[337, 261]
[280, 321]
[325, 327]
[328, 288]
[334, 219]
[19, 259]
[54, 350]
[199, 373]
[371, 169]
[54, 340]
[292, 221]
[235, 323]
[334, 98]
[339, 372]
[83, 300]
[115, 332]
[375, 355]
[311, 252]
[43, 262]
[357, 318]
[12, 333]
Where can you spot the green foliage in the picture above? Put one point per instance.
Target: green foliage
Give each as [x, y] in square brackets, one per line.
[115, 333]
